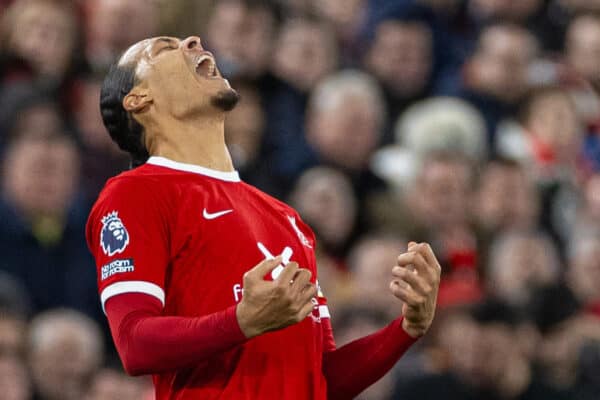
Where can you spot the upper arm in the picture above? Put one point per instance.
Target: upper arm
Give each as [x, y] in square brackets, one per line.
[128, 235]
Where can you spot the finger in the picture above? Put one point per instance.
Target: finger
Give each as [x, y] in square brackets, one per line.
[411, 244]
[308, 292]
[259, 271]
[287, 274]
[300, 280]
[407, 295]
[413, 258]
[419, 284]
[305, 310]
[427, 252]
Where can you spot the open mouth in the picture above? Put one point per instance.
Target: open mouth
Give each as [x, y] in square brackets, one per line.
[206, 67]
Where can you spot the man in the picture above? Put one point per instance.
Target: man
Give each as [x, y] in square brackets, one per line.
[176, 239]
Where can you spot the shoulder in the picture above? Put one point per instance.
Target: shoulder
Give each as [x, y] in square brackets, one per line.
[144, 182]
[274, 202]
[139, 191]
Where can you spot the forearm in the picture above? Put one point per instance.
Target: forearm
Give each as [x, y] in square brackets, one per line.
[150, 343]
[354, 367]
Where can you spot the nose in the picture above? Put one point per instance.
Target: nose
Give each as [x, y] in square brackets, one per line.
[192, 42]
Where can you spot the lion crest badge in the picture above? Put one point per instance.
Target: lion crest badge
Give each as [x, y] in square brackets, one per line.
[114, 237]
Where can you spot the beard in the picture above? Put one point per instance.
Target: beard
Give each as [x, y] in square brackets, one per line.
[225, 100]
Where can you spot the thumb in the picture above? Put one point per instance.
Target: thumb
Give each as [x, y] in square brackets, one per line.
[411, 244]
[259, 271]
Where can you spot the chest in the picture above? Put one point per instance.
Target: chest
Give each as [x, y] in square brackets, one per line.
[221, 233]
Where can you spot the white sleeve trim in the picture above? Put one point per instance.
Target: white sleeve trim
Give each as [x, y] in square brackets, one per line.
[132, 287]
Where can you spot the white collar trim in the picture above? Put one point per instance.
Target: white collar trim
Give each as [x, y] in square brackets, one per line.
[232, 176]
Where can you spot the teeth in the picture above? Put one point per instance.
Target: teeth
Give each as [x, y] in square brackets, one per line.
[211, 66]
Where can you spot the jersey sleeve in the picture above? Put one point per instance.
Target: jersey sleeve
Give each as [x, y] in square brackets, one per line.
[128, 235]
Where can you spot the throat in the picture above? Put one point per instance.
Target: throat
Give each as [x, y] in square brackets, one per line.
[199, 143]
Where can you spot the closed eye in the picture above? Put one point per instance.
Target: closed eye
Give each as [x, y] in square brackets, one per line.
[165, 48]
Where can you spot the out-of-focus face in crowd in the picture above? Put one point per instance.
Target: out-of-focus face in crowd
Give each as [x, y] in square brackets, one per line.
[232, 20]
[44, 34]
[41, 175]
[304, 53]
[482, 353]
[513, 10]
[244, 127]
[500, 65]
[506, 199]
[583, 47]
[370, 263]
[12, 336]
[345, 15]
[65, 351]
[344, 119]
[552, 119]
[114, 25]
[401, 56]
[577, 6]
[112, 385]
[583, 275]
[14, 381]
[324, 198]
[590, 210]
[520, 263]
[441, 192]
[89, 121]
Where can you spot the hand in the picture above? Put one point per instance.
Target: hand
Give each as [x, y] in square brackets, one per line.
[271, 305]
[416, 282]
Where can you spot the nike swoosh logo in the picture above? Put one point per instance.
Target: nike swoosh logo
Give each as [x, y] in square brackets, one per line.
[208, 215]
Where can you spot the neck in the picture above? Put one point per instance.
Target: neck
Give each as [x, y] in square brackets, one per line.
[199, 141]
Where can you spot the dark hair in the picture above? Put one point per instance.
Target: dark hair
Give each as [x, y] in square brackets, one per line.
[122, 127]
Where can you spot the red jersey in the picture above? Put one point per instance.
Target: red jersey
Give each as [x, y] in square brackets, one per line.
[186, 235]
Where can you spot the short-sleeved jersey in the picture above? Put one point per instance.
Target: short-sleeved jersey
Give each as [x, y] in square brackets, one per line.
[186, 235]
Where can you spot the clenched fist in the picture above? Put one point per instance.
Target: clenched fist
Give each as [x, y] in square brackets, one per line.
[271, 305]
[416, 280]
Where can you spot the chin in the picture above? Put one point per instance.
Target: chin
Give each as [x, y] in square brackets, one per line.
[226, 99]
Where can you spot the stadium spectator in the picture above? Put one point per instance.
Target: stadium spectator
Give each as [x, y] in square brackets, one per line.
[400, 56]
[347, 19]
[344, 124]
[39, 39]
[368, 262]
[43, 221]
[111, 384]
[506, 198]
[101, 157]
[437, 207]
[244, 132]
[106, 37]
[14, 379]
[583, 273]
[496, 75]
[324, 198]
[235, 19]
[65, 348]
[511, 10]
[583, 47]
[484, 361]
[521, 263]
[567, 335]
[552, 138]
[304, 53]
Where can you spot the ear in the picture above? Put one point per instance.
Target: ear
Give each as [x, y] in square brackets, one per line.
[137, 99]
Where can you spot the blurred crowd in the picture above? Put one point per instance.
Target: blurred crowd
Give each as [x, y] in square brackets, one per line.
[471, 124]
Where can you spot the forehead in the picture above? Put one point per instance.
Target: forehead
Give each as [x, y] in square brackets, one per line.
[138, 50]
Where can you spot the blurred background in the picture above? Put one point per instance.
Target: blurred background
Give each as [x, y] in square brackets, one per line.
[471, 124]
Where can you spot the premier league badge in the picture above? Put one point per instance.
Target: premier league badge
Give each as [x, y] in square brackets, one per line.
[114, 237]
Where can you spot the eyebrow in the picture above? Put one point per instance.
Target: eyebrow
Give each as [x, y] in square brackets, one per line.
[165, 40]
